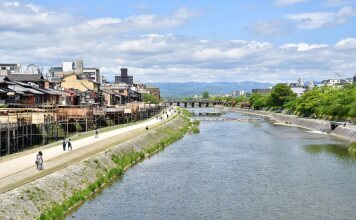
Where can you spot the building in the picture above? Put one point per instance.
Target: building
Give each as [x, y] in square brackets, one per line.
[119, 89]
[334, 82]
[298, 91]
[36, 79]
[238, 93]
[300, 82]
[93, 74]
[72, 81]
[110, 98]
[155, 92]
[354, 81]
[124, 78]
[77, 67]
[9, 68]
[262, 91]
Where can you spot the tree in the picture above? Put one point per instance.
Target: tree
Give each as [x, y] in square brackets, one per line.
[205, 95]
[258, 101]
[281, 94]
[150, 98]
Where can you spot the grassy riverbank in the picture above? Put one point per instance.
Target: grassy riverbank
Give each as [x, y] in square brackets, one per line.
[122, 160]
[352, 148]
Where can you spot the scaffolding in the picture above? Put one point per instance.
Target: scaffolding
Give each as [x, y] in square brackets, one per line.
[23, 128]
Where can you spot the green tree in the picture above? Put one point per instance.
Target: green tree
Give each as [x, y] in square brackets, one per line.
[205, 95]
[150, 98]
[281, 94]
[258, 100]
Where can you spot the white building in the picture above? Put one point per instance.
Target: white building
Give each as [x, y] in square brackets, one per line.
[300, 82]
[298, 91]
[238, 93]
[78, 68]
[93, 74]
[334, 82]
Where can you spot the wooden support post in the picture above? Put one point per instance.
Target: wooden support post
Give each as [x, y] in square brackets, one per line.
[23, 136]
[0, 138]
[31, 134]
[8, 138]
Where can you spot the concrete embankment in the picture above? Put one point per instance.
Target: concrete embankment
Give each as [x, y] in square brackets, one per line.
[50, 196]
[348, 133]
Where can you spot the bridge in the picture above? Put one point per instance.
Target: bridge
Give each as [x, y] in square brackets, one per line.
[193, 103]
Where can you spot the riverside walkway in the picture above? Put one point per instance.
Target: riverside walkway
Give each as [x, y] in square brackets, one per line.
[16, 170]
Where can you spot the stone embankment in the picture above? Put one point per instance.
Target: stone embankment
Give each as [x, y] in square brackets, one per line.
[52, 195]
[346, 132]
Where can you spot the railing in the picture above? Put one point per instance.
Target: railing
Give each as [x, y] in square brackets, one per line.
[19, 102]
[72, 112]
[99, 111]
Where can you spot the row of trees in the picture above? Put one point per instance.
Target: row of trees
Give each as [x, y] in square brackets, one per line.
[324, 102]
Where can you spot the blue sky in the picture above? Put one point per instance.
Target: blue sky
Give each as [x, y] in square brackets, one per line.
[266, 41]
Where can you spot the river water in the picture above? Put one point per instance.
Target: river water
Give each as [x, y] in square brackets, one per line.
[236, 170]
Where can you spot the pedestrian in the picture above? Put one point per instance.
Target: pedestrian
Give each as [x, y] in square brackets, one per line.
[64, 144]
[69, 144]
[96, 133]
[39, 161]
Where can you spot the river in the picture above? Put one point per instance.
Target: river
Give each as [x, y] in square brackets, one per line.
[235, 170]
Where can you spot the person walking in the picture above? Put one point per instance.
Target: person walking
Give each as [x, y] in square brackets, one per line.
[39, 161]
[64, 143]
[96, 133]
[69, 144]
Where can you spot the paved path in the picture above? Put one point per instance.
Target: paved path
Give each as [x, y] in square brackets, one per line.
[25, 161]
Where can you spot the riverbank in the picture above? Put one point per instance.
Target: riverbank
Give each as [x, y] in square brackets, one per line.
[345, 132]
[52, 195]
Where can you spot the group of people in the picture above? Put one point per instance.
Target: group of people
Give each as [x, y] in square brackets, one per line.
[67, 142]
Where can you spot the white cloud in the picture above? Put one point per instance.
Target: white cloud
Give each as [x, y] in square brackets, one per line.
[337, 3]
[287, 2]
[314, 20]
[346, 11]
[11, 4]
[103, 21]
[303, 46]
[269, 28]
[346, 44]
[38, 35]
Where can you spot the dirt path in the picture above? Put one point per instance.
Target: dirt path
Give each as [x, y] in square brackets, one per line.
[22, 169]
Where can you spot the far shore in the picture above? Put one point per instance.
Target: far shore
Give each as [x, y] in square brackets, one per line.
[345, 132]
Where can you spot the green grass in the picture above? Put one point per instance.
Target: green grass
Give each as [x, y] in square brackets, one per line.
[122, 161]
[352, 148]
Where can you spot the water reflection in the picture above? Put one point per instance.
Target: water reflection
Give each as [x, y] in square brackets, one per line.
[337, 150]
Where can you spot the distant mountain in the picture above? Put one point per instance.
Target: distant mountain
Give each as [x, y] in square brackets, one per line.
[189, 89]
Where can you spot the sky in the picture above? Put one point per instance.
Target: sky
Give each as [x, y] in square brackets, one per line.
[185, 41]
